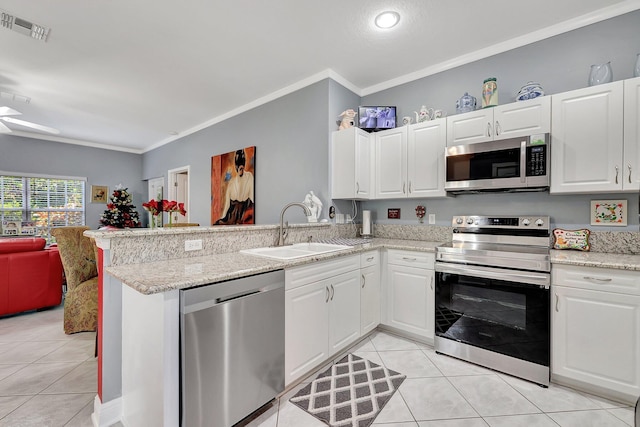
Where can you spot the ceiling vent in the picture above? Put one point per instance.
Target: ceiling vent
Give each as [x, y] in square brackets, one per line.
[14, 97]
[23, 26]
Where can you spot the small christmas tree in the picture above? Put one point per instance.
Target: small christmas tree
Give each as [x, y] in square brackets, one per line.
[120, 212]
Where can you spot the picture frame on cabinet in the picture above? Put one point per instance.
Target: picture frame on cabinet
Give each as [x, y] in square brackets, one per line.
[609, 212]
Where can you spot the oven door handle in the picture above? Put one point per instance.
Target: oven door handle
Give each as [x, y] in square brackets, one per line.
[541, 279]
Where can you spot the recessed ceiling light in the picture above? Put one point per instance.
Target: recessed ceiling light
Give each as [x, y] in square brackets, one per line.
[387, 19]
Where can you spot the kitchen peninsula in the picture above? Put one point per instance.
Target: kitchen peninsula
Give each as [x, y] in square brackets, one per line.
[143, 270]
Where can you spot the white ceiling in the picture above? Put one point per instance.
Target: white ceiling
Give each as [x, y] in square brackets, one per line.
[124, 74]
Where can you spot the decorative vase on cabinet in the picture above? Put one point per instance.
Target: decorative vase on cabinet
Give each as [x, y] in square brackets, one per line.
[600, 74]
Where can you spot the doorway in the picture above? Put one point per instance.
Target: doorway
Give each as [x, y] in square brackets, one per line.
[179, 191]
[156, 191]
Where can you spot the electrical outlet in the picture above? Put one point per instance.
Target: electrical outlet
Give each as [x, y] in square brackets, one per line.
[193, 245]
[432, 218]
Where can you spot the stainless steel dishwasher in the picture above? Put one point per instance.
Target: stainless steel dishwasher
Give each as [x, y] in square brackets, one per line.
[232, 349]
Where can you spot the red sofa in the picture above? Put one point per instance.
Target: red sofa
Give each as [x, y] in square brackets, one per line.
[30, 275]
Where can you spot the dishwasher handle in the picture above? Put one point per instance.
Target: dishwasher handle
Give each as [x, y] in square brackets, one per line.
[201, 298]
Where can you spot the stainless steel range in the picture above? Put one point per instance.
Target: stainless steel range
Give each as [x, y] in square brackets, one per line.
[492, 294]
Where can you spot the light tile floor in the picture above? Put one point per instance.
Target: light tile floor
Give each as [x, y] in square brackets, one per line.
[441, 391]
[47, 378]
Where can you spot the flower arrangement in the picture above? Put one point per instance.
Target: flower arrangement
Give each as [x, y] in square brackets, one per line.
[155, 207]
[120, 212]
[173, 206]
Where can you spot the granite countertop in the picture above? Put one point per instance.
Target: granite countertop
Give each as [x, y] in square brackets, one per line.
[156, 277]
[183, 273]
[596, 259]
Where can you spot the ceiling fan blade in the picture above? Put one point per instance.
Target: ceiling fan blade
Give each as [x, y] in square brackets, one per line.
[6, 111]
[30, 125]
[4, 128]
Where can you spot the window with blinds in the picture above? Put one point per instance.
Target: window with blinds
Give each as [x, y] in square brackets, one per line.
[41, 202]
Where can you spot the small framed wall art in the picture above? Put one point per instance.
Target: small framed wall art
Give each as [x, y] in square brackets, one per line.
[609, 212]
[99, 193]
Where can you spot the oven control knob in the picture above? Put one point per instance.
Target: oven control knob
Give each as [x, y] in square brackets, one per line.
[459, 221]
[526, 222]
[470, 221]
[539, 222]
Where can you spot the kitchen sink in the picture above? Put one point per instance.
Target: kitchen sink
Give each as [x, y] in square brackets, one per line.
[298, 250]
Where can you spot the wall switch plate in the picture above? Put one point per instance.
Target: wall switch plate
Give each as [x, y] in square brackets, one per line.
[193, 245]
[432, 218]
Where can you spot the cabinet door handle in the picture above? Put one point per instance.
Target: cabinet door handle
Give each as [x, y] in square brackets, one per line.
[431, 283]
[597, 279]
[629, 166]
[488, 128]
[363, 280]
[370, 259]
[498, 128]
[408, 259]
[409, 187]
[357, 187]
[404, 186]
[557, 302]
[616, 174]
[327, 289]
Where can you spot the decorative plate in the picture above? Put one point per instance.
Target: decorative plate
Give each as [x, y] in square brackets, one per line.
[529, 91]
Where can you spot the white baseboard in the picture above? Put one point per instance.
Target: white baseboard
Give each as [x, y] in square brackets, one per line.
[106, 414]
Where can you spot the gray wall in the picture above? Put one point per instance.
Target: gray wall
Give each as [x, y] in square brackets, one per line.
[290, 135]
[100, 167]
[559, 64]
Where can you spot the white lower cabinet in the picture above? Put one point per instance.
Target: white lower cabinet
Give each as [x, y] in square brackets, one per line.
[322, 313]
[370, 291]
[410, 291]
[596, 330]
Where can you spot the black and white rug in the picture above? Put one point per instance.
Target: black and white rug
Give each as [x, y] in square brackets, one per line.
[350, 393]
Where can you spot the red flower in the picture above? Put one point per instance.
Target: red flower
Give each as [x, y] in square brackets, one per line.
[151, 206]
[181, 209]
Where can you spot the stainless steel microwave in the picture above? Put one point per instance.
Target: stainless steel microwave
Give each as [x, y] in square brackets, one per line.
[515, 164]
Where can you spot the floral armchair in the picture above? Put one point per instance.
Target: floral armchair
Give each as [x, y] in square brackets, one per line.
[79, 262]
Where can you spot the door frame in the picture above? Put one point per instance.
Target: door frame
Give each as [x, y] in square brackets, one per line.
[171, 190]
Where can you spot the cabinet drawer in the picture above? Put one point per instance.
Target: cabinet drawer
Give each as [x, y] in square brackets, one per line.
[369, 258]
[598, 279]
[303, 275]
[411, 258]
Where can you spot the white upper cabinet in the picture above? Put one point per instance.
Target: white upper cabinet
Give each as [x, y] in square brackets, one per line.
[631, 175]
[391, 163]
[410, 161]
[425, 159]
[469, 128]
[352, 162]
[501, 122]
[587, 140]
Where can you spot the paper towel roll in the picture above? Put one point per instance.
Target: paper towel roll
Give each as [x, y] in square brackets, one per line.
[366, 223]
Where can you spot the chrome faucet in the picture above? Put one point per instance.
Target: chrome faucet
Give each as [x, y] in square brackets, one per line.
[282, 230]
